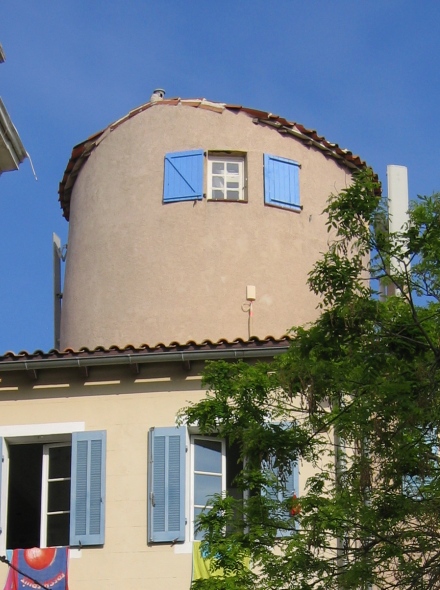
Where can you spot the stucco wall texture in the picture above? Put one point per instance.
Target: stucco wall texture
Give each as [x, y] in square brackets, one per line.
[140, 271]
[126, 406]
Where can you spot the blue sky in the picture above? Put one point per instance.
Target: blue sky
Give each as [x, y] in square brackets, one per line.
[365, 74]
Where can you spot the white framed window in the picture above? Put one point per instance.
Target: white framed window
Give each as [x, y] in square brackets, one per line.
[226, 178]
[208, 474]
[52, 482]
[55, 495]
[26, 466]
[184, 470]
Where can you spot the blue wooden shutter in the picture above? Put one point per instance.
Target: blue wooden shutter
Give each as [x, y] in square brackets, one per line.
[87, 502]
[289, 489]
[183, 176]
[412, 485]
[281, 182]
[166, 485]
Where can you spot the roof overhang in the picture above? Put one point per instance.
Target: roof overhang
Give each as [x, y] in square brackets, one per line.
[12, 151]
[114, 356]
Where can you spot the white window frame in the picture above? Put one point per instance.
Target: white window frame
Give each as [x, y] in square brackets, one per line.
[193, 472]
[45, 490]
[215, 158]
[30, 434]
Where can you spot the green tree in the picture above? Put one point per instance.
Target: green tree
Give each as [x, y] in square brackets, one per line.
[357, 399]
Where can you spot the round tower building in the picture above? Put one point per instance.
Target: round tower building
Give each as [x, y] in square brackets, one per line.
[195, 220]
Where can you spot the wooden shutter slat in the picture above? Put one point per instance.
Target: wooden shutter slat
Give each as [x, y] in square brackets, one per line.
[166, 485]
[87, 510]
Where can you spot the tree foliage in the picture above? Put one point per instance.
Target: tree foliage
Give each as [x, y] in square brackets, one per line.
[355, 401]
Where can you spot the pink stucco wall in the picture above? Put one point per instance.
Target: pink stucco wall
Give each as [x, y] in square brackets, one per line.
[140, 271]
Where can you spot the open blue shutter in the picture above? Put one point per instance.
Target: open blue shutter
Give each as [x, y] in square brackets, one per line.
[281, 182]
[412, 485]
[183, 176]
[87, 501]
[290, 488]
[166, 485]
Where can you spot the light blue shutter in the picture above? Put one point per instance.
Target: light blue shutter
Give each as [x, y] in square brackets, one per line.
[290, 487]
[183, 176]
[166, 485]
[412, 485]
[281, 182]
[87, 502]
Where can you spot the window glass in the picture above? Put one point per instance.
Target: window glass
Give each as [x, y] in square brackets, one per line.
[56, 514]
[24, 496]
[38, 495]
[207, 455]
[208, 476]
[198, 535]
[58, 496]
[206, 486]
[225, 178]
[58, 530]
[59, 462]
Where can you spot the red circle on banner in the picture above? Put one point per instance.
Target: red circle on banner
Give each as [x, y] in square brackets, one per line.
[38, 558]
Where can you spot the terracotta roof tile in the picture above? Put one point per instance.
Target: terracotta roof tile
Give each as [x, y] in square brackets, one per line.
[131, 354]
[223, 343]
[309, 136]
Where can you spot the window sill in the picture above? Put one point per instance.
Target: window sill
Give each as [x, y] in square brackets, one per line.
[184, 548]
[242, 201]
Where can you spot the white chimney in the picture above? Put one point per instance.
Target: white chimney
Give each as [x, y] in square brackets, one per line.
[158, 94]
[398, 206]
[397, 177]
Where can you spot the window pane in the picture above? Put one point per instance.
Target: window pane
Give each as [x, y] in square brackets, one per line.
[205, 486]
[218, 181]
[233, 185]
[218, 167]
[233, 195]
[198, 535]
[24, 491]
[208, 455]
[59, 462]
[58, 530]
[58, 496]
[232, 168]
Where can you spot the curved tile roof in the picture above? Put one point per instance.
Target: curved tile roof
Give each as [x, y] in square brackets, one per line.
[310, 137]
[131, 354]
